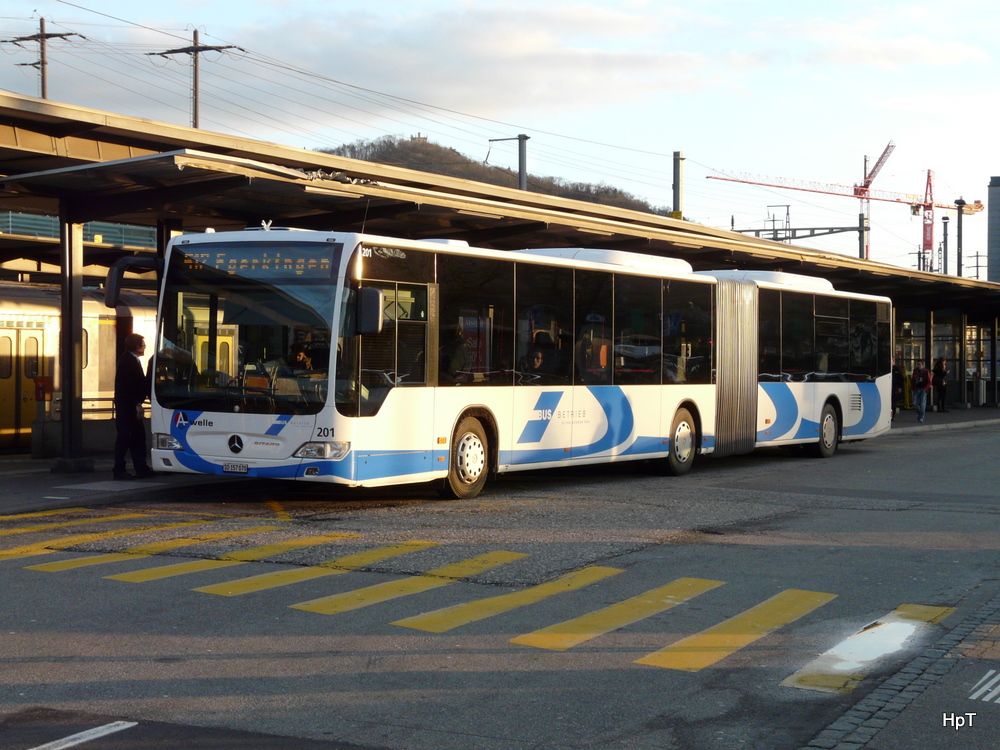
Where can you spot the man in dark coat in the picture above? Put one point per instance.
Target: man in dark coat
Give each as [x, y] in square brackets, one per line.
[131, 389]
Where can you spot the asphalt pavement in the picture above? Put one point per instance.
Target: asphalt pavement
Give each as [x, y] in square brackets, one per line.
[947, 686]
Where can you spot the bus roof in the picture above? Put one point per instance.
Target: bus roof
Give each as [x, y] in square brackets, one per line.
[638, 261]
[774, 278]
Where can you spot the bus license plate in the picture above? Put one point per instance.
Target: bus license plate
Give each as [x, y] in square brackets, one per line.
[236, 468]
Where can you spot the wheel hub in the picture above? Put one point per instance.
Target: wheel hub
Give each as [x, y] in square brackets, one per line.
[683, 441]
[470, 458]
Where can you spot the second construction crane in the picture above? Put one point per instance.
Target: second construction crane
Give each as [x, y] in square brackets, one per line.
[923, 207]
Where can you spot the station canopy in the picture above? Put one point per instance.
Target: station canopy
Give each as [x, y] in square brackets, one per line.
[85, 165]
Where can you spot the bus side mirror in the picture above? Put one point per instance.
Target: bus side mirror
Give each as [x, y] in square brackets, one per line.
[116, 274]
[370, 304]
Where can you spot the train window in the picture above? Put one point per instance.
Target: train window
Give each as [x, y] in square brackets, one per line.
[6, 357]
[224, 357]
[31, 357]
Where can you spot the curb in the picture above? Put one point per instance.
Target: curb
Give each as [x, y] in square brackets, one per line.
[925, 427]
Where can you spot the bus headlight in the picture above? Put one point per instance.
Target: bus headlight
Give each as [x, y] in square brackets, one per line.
[332, 451]
[166, 442]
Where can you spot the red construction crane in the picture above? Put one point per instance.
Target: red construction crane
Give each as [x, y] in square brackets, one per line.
[864, 188]
[919, 207]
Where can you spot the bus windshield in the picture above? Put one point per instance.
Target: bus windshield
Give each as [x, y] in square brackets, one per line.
[245, 327]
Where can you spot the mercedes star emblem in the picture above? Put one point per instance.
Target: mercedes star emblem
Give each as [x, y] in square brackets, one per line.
[235, 443]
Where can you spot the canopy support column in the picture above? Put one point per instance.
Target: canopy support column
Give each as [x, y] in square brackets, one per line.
[71, 343]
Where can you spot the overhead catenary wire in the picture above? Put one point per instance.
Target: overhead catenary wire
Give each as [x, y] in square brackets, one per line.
[402, 105]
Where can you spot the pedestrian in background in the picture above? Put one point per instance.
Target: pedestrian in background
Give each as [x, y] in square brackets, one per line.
[131, 389]
[939, 380]
[898, 384]
[920, 385]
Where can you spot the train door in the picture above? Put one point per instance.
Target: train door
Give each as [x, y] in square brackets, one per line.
[20, 362]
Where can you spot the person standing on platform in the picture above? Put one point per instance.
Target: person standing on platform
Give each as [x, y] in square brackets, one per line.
[898, 385]
[939, 380]
[131, 389]
[920, 385]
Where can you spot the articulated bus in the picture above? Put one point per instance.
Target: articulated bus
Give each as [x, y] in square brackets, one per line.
[362, 360]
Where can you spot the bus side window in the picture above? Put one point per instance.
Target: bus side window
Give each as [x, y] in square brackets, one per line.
[687, 332]
[411, 331]
[798, 347]
[453, 365]
[638, 336]
[544, 322]
[769, 335]
[475, 336]
[592, 350]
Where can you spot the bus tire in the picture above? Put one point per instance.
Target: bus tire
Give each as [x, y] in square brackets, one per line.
[683, 443]
[829, 433]
[468, 461]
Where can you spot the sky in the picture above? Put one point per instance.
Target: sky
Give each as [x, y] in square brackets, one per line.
[606, 91]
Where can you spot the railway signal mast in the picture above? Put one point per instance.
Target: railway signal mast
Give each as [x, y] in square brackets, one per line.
[863, 191]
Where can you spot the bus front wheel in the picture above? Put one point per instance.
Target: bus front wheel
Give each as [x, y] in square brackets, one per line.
[683, 443]
[468, 462]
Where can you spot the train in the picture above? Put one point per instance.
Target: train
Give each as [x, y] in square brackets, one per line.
[29, 354]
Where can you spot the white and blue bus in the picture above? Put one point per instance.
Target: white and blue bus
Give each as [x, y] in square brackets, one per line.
[362, 360]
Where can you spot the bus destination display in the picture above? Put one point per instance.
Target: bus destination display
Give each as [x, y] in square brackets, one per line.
[308, 260]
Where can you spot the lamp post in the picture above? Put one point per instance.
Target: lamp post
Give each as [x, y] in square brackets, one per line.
[960, 205]
[522, 158]
[944, 221]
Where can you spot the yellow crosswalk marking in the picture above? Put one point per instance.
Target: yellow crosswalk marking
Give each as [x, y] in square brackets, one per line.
[269, 550]
[51, 545]
[279, 510]
[75, 522]
[716, 643]
[41, 514]
[565, 635]
[228, 560]
[432, 579]
[145, 550]
[329, 568]
[922, 613]
[443, 620]
[169, 571]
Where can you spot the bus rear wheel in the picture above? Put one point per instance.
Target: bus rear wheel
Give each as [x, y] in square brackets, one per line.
[683, 443]
[829, 433]
[468, 462]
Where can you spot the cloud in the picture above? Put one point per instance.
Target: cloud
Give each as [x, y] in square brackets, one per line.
[494, 59]
[878, 43]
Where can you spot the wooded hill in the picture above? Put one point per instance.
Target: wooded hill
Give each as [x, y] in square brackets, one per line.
[420, 154]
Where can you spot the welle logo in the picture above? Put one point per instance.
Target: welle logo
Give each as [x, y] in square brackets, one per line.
[181, 421]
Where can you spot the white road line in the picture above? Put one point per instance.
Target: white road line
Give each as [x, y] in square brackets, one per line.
[91, 734]
[990, 688]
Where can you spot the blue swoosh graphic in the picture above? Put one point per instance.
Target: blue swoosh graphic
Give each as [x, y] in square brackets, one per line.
[808, 429]
[620, 418]
[786, 410]
[871, 409]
